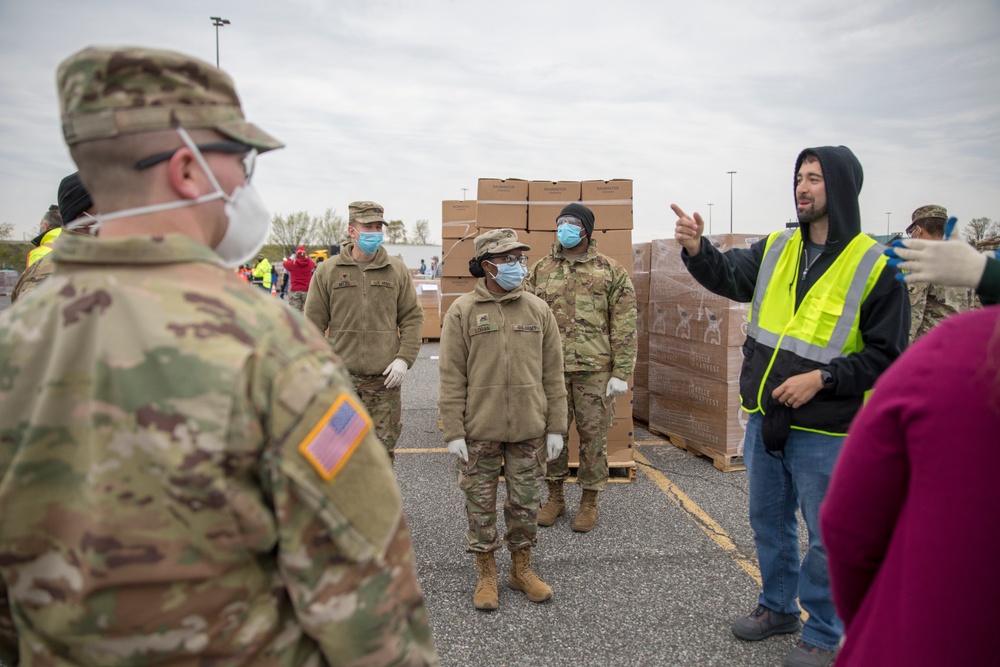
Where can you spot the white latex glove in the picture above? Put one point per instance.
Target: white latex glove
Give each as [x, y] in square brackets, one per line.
[616, 387]
[396, 371]
[458, 448]
[954, 262]
[553, 446]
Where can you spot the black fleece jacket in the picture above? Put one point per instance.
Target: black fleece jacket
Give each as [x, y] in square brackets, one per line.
[885, 314]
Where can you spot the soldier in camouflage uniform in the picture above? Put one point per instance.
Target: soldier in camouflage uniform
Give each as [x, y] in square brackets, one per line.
[75, 208]
[366, 303]
[502, 403]
[186, 475]
[929, 304]
[594, 303]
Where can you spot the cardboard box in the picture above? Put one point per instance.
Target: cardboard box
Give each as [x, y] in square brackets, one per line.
[611, 202]
[640, 281]
[432, 322]
[704, 320]
[684, 387]
[666, 253]
[723, 431]
[546, 199]
[617, 244]
[641, 255]
[640, 405]
[458, 219]
[456, 254]
[502, 203]
[713, 361]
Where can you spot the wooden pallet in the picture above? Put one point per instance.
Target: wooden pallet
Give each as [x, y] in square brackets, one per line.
[724, 462]
[618, 473]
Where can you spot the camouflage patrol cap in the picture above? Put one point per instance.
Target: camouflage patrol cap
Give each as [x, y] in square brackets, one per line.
[496, 241]
[365, 212]
[105, 92]
[929, 212]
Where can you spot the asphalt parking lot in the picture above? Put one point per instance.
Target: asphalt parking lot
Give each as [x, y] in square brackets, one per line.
[657, 582]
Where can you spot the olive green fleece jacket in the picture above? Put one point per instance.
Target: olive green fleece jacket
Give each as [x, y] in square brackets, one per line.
[501, 368]
[370, 317]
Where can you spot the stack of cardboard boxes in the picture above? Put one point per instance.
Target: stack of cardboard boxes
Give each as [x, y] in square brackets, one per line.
[531, 208]
[429, 296]
[641, 254]
[695, 356]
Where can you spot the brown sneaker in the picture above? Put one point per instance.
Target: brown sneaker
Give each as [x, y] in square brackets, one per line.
[805, 654]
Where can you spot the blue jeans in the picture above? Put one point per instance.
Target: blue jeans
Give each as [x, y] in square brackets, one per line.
[777, 486]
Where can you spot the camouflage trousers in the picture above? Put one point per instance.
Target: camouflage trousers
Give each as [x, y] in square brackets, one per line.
[297, 300]
[385, 406]
[523, 468]
[593, 412]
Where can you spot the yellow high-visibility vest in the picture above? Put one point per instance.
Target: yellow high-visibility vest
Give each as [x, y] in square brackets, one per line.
[45, 247]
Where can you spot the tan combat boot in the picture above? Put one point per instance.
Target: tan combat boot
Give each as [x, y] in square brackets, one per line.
[485, 597]
[587, 516]
[523, 578]
[554, 507]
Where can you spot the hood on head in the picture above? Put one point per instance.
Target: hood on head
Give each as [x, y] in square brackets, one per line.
[843, 177]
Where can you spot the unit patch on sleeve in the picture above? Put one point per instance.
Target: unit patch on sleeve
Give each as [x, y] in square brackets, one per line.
[335, 437]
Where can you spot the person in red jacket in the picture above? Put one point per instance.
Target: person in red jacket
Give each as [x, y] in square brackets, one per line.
[300, 268]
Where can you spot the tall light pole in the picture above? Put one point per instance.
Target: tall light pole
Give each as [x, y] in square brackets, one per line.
[218, 21]
[887, 214]
[463, 193]
[730, 200]
[710, 219]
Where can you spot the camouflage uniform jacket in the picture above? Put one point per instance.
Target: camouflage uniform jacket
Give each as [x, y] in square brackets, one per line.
[33, 276]
[501, 368]
[929, 304]
[371, 316]
[594, 303]
[159, 502]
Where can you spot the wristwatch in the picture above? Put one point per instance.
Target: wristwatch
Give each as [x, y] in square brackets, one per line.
[827, 378]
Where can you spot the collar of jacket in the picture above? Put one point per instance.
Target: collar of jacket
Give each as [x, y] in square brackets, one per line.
[380, 259]
[484, 294]
[557, 252]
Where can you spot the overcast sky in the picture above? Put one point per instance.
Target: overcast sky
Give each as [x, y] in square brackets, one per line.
[407, 103]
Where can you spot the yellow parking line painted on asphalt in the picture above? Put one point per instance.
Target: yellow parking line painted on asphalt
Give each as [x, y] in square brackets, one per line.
[707, 524]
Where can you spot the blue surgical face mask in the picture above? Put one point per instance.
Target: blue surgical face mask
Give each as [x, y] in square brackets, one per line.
[568, 235]
[508, 276]
[369, 242]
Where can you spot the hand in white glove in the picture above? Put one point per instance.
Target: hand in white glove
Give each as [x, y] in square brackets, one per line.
[396, 370]
[953, 263]
[553, 446]
[458, 448]
[616, 387]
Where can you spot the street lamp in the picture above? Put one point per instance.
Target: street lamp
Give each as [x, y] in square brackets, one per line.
[463, 193]
[218, 21]
[710, 219]
[730, 200]
[887, 214]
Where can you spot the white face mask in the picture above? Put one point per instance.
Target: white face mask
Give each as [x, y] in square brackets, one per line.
[249, 220]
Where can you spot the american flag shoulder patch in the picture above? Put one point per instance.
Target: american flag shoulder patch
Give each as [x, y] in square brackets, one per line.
[335, 437]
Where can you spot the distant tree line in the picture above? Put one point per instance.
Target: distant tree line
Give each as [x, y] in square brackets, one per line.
[330, 228]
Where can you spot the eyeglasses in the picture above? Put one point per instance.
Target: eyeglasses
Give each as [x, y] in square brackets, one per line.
[511, 260]
[569, 220]
[914, 229]
[234, 147]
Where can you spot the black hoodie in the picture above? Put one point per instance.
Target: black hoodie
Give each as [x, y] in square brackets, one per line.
[885, 314]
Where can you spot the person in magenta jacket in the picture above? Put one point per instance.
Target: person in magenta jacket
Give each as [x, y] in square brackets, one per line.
[910, 517]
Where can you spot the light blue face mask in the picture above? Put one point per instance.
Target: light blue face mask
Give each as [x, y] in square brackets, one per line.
[568, 235]
[369, 242]
[509, 276]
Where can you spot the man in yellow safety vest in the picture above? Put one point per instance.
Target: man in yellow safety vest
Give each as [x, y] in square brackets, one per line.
[827, 317]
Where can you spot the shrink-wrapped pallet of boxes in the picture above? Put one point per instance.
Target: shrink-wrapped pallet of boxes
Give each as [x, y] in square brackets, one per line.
[695, 356]
[641, 253]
